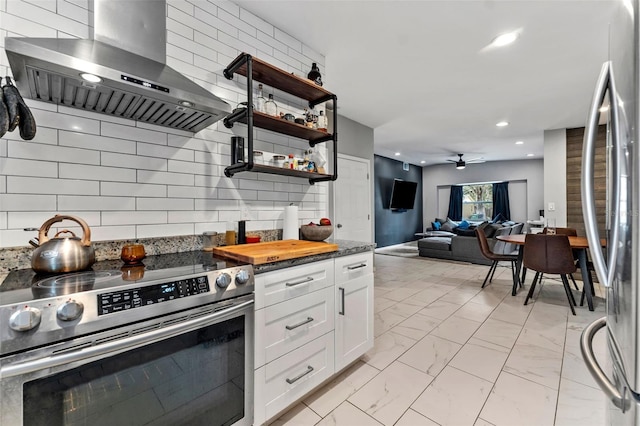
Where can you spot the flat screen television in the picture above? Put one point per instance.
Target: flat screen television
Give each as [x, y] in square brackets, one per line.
[403, 194]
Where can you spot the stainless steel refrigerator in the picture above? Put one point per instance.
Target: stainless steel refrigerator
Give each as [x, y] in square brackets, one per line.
[618, 268]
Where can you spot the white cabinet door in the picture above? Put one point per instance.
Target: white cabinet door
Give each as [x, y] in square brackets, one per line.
[354, 308]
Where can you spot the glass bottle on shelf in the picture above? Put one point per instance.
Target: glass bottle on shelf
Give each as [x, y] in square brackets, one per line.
[270, 106]
[260, 100]
[322, 122]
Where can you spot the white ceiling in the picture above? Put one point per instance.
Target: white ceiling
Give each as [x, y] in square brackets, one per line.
[420, 73]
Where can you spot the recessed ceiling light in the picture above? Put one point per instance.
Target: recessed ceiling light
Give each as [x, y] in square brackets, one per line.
[397, 153]
[519, 142]
[505, 39]
[90, 77]
[502, 123]
[422, 162]
[530, 155]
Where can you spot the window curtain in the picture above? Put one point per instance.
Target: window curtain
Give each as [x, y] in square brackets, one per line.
[455, 203]
[501, 200]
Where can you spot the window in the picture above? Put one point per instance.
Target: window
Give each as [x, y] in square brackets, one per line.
[477, 201]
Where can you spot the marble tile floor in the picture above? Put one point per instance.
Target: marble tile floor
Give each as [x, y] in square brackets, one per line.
[450, 353]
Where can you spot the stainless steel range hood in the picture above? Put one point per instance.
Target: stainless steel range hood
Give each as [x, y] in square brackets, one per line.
[127, 54]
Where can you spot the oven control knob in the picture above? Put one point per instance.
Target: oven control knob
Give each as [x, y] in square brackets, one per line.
[223, 280]
[242, 277]
[70, 310]
[25, 319]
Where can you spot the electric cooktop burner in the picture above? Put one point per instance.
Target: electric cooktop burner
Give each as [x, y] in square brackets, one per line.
[25, 285]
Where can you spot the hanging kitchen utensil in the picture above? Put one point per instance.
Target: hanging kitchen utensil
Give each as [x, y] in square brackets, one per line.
[19, 113]
[63, 254]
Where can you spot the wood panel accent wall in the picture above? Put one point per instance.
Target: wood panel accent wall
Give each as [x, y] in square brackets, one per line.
[574, 171]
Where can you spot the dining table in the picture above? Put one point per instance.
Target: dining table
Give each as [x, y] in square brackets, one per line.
[579, 245]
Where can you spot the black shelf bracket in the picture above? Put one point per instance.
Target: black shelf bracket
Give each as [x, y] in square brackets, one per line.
[235, 116]
[233, 66]
[321, 100]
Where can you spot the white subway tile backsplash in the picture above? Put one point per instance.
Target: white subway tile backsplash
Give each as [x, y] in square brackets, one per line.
[39, 185]
[179, 28]
[256, 22]
[27, 202]
[35, 151]
[193, 216]
[169, 152]
[24, 27]
[131, 179]
[273, 196]
[216, 23]
[179, 54]
[18, 167]
[236, 22]
[133, 133]
[185, 6]
[288, 40]
[164, 204]
[74, 12]
[146, 176]
[150, 231]
[133, 189]
[95, 142]
[194, 168]
[74, 202]
[72, 123]
[79, 171]
[38, 14]
[132, 161]
[237, 194]
[133, 218]
[256, 184]
[191, 192]
[113, 233]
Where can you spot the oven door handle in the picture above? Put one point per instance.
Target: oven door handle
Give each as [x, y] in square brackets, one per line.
[118, 346]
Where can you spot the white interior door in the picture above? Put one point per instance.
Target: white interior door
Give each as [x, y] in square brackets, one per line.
[352, 200]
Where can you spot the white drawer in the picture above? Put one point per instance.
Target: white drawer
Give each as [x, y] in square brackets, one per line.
[278, 286]
[285, 380]
[288, 325]
[354, 266]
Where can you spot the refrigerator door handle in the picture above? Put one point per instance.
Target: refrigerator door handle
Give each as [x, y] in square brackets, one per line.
[586, 347]
[605, 81]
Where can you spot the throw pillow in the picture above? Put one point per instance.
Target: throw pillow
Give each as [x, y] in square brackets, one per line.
[464, 225]
[435, 226]
[449, 225]
[491, 229]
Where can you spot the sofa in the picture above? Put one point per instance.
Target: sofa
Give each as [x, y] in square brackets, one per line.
[464, 246]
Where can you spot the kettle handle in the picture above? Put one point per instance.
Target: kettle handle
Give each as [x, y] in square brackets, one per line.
[86, 232]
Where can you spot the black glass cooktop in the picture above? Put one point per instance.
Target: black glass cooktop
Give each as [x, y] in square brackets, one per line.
[24, 285]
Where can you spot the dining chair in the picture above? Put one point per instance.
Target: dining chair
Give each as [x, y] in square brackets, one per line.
[495, 258]
[570, 232]
[549, 254]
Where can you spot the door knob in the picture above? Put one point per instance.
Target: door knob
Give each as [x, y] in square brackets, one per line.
[339, 225]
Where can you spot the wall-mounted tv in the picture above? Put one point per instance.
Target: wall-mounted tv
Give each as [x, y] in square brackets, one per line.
[403, 194]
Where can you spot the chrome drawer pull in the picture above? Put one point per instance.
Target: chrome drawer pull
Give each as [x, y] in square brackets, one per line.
[300, 324]
[295, 379]
[302, 281]
[362, 265]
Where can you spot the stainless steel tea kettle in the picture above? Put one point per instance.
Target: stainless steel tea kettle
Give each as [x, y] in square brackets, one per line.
[63, 254]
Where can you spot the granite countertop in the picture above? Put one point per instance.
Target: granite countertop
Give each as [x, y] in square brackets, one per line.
[345, 248]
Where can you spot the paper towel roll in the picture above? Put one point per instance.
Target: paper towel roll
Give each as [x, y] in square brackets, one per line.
[290, 223]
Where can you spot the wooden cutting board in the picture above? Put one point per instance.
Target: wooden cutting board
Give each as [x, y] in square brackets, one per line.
[274, 251]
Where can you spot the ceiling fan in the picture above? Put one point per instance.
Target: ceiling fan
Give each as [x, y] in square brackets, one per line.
[461, 164]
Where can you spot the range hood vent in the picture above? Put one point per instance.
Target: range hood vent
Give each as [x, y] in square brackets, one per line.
[131, 85]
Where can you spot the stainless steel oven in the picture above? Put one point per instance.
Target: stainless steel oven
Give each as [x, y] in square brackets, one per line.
[174, 347]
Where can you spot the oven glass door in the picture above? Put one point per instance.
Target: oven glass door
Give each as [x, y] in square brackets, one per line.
[193, 378]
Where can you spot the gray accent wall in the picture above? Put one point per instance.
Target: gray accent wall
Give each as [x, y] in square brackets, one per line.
[526, 186]
[393, 227]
